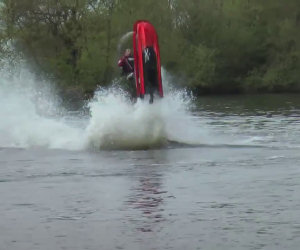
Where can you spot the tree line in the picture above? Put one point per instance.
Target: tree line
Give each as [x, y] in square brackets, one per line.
[211, 46]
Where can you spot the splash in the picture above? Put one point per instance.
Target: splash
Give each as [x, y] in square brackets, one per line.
[32, 116]
[124, 41]
[116, 123]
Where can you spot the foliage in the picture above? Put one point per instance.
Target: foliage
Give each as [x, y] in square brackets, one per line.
[211, 45]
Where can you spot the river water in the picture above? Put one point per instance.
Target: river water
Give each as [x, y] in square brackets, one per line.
[211, 173]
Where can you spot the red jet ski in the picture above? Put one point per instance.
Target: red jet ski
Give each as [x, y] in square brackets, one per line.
[146, 60]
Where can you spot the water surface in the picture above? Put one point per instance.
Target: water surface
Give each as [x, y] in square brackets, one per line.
[226, 177]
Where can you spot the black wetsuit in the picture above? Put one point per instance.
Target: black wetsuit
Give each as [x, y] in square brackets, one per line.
[150, 71]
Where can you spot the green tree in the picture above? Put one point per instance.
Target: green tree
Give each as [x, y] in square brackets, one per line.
[211, 45]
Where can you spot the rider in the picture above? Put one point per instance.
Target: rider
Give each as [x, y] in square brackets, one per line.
[127, 64]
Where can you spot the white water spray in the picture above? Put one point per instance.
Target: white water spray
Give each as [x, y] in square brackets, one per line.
[31, 116]
[123, 41]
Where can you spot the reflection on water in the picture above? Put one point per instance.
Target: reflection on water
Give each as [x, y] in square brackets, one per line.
[148, 197]
[147, 192]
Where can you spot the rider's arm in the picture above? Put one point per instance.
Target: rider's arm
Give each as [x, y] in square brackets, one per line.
[121, 62]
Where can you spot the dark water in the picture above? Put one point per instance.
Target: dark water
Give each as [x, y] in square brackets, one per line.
[238, 189]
